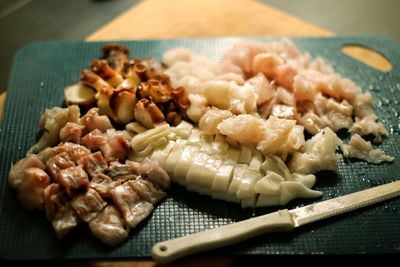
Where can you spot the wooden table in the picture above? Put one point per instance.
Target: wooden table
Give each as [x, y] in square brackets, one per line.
[160, 19]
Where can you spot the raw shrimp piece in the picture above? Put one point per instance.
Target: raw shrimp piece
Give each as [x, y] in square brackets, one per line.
[210, 120]
[75, 151]
[93, 140]
[303, 89]
[368, 125]
[197, 107]
[283, 112]
[361, 149]
[263, 88]
[92, 120]
[245, 129]
[133, 208]
[93, 163]
[57, 163]
[87, 205]
[16, 174]
[71, 132]
[30, 190]
[73, 179]
[276, 133]
[109, 226]
[177, 54]
[319, 154]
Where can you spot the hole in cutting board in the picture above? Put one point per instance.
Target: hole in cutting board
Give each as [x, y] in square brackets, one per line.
[367, 56]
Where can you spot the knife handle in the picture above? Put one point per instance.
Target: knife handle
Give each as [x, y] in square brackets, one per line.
[173, 249]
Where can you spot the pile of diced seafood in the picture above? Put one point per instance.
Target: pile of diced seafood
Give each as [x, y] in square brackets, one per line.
[234, 130]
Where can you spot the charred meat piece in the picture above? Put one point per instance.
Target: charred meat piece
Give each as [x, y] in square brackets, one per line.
[104, 184]
[75, 151]
[117, 169]
[133, 208]
[57, 163]
[88, 204]
[74, 179]
[30, 190]
[109, 226]
[147, 191]
[94, 163]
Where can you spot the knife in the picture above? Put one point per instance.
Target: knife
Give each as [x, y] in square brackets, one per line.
[282, 220]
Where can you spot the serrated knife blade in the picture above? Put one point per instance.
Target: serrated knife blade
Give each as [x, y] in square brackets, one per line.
[282, 220]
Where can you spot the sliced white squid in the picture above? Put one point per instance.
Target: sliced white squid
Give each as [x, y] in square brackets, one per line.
[183, 129]
[270, 184]
[246, 188]
[219, 146]
[256, 161]
[306, 179]
[294, 189]
[245, 155]
[184, 163]
[193, 176]
[249, 202]
[232, 155]
[275, 164]
[222, 178]
[237, 178]
[161, 155]
[173, 157]
[268, 200]
[224, 195]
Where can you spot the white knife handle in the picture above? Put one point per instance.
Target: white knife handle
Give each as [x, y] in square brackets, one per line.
[173, 249]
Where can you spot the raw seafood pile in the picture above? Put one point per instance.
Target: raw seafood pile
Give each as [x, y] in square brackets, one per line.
[233, 130]
[87, 178]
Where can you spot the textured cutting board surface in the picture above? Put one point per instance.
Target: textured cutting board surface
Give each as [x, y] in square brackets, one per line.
[41, 71]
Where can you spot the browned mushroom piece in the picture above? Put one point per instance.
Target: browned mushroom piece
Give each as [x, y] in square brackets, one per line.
[79, 94]
[103, 100]
[156, 91]
[181, 101]
[108, 74]
[116, 56]
[173, 118]
[93, 80]
[147, 113]
[122, 104]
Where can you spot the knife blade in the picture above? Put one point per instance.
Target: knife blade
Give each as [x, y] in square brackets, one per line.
[281, 220]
